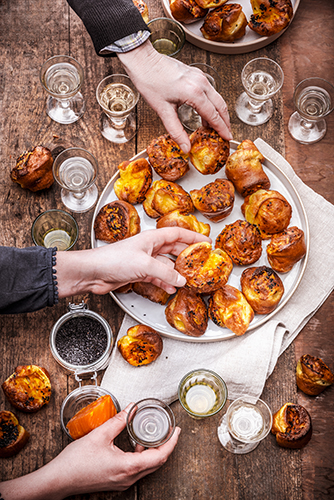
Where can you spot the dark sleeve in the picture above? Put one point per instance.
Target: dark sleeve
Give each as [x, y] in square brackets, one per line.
[27, 279]
[108, 20]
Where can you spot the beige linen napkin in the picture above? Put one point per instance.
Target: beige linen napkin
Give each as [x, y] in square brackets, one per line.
[243, 362]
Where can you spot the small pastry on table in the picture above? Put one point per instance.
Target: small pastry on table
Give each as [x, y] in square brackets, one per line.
[262, 287]
[244, 169]
[167, 159]
[292, 426]
[187, 221]
[242, 241]
[13, 437]
[225, 24]
[135, 178]
[187, 11]
[33, 169]
[164, 197]
[215, 200]
[286, 249]
[116, 221]
[209, 151]
[187, 312]
[313, 375]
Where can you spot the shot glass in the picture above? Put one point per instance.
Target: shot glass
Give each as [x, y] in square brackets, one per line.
[55, 228]
[150, 423]
[202, 393]
[167, 36]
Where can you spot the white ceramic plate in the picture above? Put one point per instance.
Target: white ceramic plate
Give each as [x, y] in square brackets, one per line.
[151, 314]
[251, 41]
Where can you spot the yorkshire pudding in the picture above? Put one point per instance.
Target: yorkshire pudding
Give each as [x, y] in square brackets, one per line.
[164, 197]
[241, 241]
[209, 151]
[286, 248]
[135, 178]
[262, 287]
[186, 11]
[140, 346]
[313, 375]
[167, 159]
[187, 312]
[292, 426]
[215, 200]
[151, 292]
[116, 221]
[244, 169]
[13, 437]
[225, 24]
[33, 169]
[187, 221]
[270, 16]
[143, 9]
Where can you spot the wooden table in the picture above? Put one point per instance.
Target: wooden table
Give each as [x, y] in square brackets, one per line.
[199, 468]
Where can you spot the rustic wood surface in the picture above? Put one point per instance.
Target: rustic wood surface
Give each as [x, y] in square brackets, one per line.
[199, 468]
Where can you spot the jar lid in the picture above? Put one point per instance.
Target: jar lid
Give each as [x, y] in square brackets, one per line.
[81, 340]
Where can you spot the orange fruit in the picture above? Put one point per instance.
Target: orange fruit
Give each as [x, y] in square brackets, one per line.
[91, 416]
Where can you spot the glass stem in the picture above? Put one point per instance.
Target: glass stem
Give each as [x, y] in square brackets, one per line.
[255, 106]
[118, 123]
[306, 124]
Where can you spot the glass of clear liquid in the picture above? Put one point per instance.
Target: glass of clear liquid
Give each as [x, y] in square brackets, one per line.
[75, 170]
[118, 98]
[55, 228]
[188, 116]
[202, 393]
[261, 78]
[167, 36]
[247, 421]
[62, 78]
[314, 99]
[150, 423]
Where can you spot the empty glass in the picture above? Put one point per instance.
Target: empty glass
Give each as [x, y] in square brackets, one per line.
[314, 99]
[62, 77]
[261, 78]
[167, 36]
[118, 97]
[247, 421]
[188, 116]
[75, 170]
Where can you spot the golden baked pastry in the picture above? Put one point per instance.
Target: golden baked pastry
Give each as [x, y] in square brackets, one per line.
[241, 241]
[143, 9]
[268, 210]
[140, 346]
[313, 375]
[13, 437]
[286, 248]
[292, 426]
[150, 291]
[244, 169]
[228, 307]
[167, 159]
[210, 4]
[28, 388]
[33, 169]
[135, 178]
[225, 24]
[270, 16]
[205, 269]
[124, 288]
[209, 151]
[215, 200]
[262, 287]
[116, 221]
[164, 197]
[187, 312]
[187, 221]
[186, 11]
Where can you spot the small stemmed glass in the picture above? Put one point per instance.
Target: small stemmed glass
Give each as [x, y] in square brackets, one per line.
[117, 97]
[188, 116]
[62, 77]
[261, 78]
[248, 421]
[314, 99]
[75, 170]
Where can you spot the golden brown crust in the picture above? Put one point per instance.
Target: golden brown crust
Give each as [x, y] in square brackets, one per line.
[186, 11]
[167, 159]
[225, 24]
[135, 178]
[215, 200]
[187, 221]
[13, 437]
[262, 287]
[286, 248]
[124, 288]
[33, 169]
[151, 292]
[28, 388]
[187, 312]
[244, 169]
[313, 375]
[140, 346]
[143, 9]
[268, 210]
[228, 307]
[210, 4]
[116, 221]
[205, 269]
[209, 151]
[164, 197]
[241, 241]
[292, 426]
[270, 16]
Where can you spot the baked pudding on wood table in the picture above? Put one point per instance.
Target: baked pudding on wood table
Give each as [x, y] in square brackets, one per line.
[313, 375]
[292, 426]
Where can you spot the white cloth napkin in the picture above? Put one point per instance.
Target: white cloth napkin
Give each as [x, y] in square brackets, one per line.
[243, 362]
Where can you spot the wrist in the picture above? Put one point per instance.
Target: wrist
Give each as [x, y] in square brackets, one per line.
[139, 56]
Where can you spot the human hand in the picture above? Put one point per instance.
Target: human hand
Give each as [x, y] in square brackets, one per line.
[166, 83]
[139, 258]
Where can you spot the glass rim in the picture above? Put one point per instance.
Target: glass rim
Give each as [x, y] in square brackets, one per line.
[163, 405]
[132, 86]
[271, 94]
[59, 211]
[303, 82]
[54, 58]
[247, 398]
[58, 158]
[211, 372]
